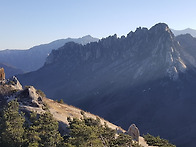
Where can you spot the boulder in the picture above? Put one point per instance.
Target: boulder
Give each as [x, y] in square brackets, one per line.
[15, 83]
[30, 97]
[133, 131]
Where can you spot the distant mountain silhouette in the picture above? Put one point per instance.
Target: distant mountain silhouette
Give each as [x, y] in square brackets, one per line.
[34, 58]
[10, 70]
[146, 78]
[185, 31]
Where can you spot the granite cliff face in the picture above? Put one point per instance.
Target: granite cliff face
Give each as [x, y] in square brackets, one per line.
[147, 48]
[144, 78]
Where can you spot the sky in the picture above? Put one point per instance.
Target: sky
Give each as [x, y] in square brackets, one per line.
[26, 23]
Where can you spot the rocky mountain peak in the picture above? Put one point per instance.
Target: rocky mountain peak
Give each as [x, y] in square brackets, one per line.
[87, 37]
[162, 30]
[155, 48]
[160, 27]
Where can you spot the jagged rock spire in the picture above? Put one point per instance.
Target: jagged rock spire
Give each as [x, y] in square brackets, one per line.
[2, 74]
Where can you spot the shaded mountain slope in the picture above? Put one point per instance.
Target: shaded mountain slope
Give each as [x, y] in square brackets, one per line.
[34, 58]
[145, 78]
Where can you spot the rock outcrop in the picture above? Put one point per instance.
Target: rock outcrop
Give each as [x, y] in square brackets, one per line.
[2, 74]
[15, 84]
[134, 132]
[29, 98]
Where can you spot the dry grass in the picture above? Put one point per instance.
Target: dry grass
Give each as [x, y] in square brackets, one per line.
[62, 111]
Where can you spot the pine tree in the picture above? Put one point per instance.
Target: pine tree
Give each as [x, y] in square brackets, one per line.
[107, 135]
[61, 101]
[1, 126]
[83, 135]
[12, 122]
[87, 132]
[32, 134]
[48, 130]
[123, 140]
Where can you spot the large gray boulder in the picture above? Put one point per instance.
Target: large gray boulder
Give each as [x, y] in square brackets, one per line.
[134, 132]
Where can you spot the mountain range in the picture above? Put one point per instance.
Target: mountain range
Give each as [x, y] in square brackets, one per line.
[190, 31]
[146, 78]
[34, 58]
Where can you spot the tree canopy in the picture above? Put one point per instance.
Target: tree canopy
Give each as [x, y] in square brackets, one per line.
[42, 130]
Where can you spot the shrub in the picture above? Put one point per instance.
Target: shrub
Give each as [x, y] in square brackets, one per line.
[41, 93]
[157, 141]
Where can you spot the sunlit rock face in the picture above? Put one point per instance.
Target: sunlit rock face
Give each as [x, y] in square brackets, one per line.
[146, 78]
[2, 74]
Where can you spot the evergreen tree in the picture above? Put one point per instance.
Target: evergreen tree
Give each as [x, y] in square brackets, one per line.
[123, 140]
[48, 131]
[107, 135]
[12, 133]
[1, 126]
[82, 135]
[89, 132]
[32, 133]
[43, 131]
[157, 141]
[61, 101]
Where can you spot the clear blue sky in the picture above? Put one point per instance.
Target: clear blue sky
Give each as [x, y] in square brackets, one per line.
[25, 23]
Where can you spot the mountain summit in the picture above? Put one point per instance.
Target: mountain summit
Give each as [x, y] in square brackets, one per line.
[156, 48]
[145, 78]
